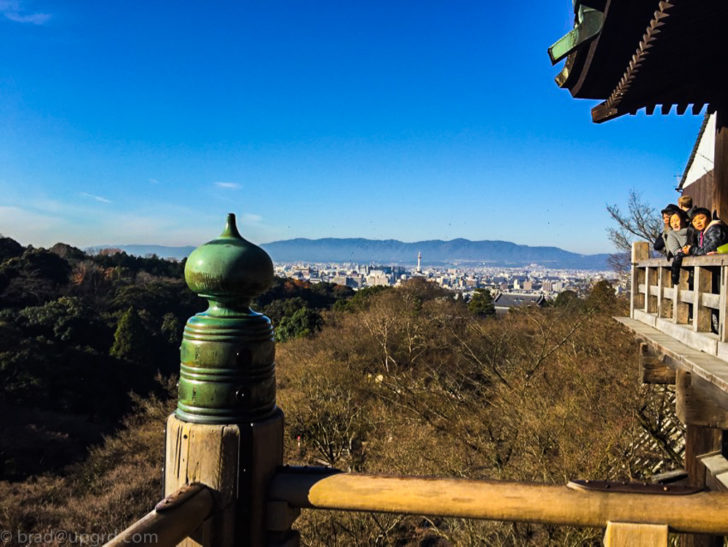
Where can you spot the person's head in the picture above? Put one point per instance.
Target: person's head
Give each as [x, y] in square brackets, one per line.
[685, 203]
[700, 219]
[667, 212]
[678, 221]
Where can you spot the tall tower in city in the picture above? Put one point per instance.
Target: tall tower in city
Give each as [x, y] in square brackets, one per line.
[419, 262]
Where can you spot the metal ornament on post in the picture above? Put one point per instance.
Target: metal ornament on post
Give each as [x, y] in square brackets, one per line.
[227, 371]
[227, 432]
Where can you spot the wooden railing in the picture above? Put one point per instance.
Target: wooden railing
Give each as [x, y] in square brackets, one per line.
[693, 310]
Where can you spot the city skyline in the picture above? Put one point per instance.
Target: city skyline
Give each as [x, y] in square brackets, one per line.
[133, 123]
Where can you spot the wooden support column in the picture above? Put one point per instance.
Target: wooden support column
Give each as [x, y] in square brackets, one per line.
[699, 407]
[702, 284]
[640, 251]
[720, 166]
[652, 369]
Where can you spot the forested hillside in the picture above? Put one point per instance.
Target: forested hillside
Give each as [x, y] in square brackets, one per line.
[79, 334]
[402, 381]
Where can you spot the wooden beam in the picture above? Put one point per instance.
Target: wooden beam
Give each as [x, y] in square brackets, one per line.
[652, 368]
[623, 534]
[700, 403]
[498, 500]
[174, 518]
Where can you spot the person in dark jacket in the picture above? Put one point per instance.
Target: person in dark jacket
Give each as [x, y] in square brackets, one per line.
[711, 233]
[667, 212]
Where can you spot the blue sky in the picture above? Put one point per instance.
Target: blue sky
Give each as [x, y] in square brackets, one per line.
[146, 122]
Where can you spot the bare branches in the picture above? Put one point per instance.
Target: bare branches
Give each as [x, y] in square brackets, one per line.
[641, 221]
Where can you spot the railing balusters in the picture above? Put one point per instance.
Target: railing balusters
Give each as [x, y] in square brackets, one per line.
[701, 284]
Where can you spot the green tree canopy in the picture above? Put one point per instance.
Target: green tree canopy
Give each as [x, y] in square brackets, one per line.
[131, 340]
[481, 304]
[303, 322]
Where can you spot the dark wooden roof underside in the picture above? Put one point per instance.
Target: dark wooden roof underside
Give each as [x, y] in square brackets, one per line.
[624, 25]
[678, 59]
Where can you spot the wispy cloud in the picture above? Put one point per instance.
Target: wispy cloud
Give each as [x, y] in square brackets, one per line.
[228, 185]
[250, 218]
[153, 181]
[100, 199]
[13, 10]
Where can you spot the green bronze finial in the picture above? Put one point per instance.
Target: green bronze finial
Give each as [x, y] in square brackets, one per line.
[227, 373]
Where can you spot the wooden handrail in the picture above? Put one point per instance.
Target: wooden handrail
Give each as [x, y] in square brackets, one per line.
[702, 512]
[173, 519]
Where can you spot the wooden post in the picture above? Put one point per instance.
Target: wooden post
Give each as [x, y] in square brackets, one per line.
[702, 283]
[698, 409]
[720, 165]
[652, 370]
[227, 432]
[681, 310]
[640, 251]
[651, 280]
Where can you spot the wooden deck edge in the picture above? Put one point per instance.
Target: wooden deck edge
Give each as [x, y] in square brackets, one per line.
[680, 356]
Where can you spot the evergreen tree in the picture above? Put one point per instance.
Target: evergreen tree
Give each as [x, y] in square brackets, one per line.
[130, 338]
[304, 322]
[481, 303]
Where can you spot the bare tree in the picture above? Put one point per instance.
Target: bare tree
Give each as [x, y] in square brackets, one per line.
[640, 221]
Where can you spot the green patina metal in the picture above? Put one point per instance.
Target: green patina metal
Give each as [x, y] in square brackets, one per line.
[588, 25]
[227, 370]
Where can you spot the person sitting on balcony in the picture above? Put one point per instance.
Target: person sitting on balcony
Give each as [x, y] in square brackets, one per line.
[678, 237]
[686, 204]
[667, 212]
[711, 233]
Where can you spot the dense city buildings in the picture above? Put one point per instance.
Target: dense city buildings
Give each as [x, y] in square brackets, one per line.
[529, 280]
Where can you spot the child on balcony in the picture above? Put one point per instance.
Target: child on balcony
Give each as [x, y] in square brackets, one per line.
[711, 233]
[678, 237]
[686, 204]
[660, 242]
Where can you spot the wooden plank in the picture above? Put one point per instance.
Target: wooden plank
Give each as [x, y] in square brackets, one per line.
[687, 297]
[644, 317]
[702, 341]
[652, 370]
[629, 534]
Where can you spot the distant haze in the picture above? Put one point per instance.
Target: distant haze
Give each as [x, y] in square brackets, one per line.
[392, 251]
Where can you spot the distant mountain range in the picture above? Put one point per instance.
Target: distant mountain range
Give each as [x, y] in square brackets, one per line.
[392, 251]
